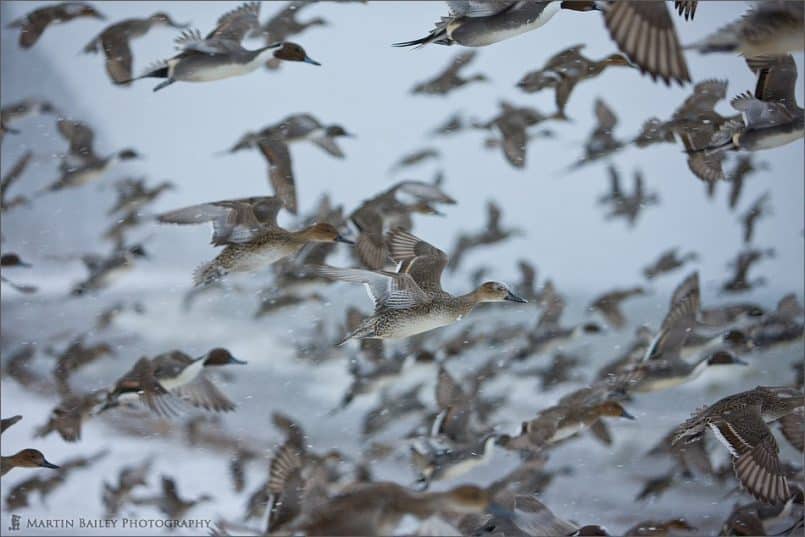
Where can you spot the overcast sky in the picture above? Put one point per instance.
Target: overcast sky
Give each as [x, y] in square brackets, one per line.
[364, 84]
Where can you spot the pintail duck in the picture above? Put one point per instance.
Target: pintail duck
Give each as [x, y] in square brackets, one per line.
[5, 423]
[608, 305]
[104, 271]
[477, 24]
[767, 29]
[386, 210]
[27, 458]
[743, 261]
[783, 325]
[491, 234]
[19, 495]
[438, 461]
[416, 157]
[173, 506]
[633, 354]
[740, 423]
[758, 209]
[770, 116]
[115, 40]
[668, 261]
[377, 508]
[8, 181]
[728, 314]
[512, 123]
[450, 79]
[295, 128]
[757, 518]
[248, 229]
[283, 25]
[34, 23]
[566, 69]
[220, 54]
[532, 517]
[678, 323]
[82, 165]
[655, 375]
[562, 421]
[133, 195]
[167, 381]
[412, 301]
[12, 260]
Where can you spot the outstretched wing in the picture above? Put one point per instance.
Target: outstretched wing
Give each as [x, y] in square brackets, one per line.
[235, 24]
[234, 221]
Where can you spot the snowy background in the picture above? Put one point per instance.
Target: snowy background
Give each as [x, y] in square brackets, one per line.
[364, 84]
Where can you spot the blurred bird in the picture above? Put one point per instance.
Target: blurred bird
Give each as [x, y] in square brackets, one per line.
[601, 142]
[626, 206]
[743, 262]
[82, 165]
[34, 23]
[12, 260]
[608, 305]
[248, 229]
[115, 497]
[169, 502]
[564, 70]
[767, 29]
[491, 234]
[416, 157]
[477, 24]
[105, 271]
[450, 79]
[133, 195]
[758, 209]
[298, 128]
[8, 181]
[668, 261]
[512, 123]
[219, 54]
[114, 42]
[28, 107]
[392, 208]
[743, 168]
[451, 125]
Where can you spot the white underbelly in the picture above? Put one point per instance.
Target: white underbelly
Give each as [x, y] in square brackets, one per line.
[488, 38]
[778, 140]
[784, 42]
[259, 259]
[567, 431]
[412, 327]
[219, 72]
[187, 375]
[660, 384]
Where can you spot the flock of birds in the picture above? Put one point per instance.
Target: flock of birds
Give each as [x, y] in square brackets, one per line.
[334, 493]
